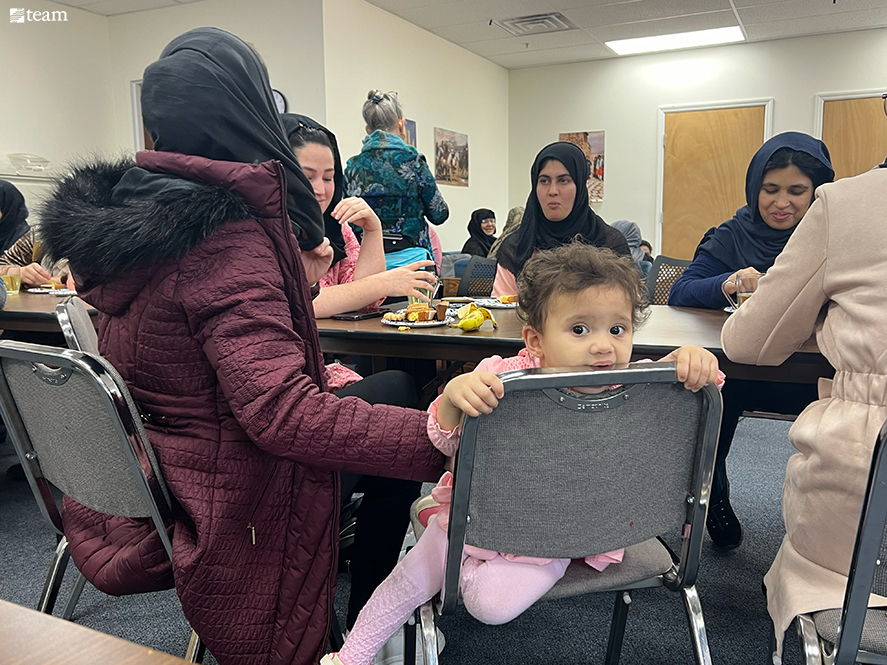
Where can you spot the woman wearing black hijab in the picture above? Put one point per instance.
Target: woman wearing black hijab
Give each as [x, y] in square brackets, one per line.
[557, 212]
[13, 215]
[192, 257]
[482, 229]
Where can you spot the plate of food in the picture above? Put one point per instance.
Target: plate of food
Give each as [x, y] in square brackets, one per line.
[503, 302]
[419, 315]
[53, 292]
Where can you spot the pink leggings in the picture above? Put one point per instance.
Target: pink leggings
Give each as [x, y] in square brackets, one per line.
[494, 591]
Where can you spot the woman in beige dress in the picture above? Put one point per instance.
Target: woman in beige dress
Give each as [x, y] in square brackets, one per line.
[830, 280]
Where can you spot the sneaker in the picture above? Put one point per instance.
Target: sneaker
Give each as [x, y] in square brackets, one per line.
[723, 525]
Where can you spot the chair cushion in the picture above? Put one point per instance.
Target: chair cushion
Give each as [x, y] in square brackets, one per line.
[641, 562]
[118, 555]
[874, 632]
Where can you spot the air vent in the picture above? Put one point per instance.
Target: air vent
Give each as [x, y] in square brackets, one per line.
[537, 24]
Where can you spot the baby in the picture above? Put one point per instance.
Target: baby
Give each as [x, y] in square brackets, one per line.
[580, 306]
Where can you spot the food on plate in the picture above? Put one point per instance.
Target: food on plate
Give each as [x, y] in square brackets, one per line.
[506, 300]
[395, 316]
[442, 308]
[470, 317]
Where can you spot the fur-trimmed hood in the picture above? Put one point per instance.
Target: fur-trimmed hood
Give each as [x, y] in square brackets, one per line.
[104, 240]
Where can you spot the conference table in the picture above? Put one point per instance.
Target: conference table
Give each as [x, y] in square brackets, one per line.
[666, 329]
[28, 637]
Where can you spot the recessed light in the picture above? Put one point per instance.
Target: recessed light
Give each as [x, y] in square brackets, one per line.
[677, 41]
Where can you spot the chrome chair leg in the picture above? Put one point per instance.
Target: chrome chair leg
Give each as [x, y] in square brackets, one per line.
[617, 627]
[409, 639]
[697, 625]
[429, 633]
[809, 640]
[68, 612]
[54, 577]
[196, 649]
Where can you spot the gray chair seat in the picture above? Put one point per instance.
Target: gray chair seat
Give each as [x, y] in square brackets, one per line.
[874, 631]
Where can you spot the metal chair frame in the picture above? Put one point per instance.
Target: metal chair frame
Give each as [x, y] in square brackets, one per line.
[681, 577]
[866, 556]
[652, 278]
[473, 286]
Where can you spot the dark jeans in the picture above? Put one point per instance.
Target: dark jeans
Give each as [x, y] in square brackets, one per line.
[384, 513]
[739, 396]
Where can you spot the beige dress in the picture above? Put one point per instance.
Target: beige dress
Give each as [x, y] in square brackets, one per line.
[831, 278]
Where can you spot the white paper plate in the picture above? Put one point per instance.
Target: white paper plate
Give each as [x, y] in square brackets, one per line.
[494, 303]
[54, 292]
[417, 324]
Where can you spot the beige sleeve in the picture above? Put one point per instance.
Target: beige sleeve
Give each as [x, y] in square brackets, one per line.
[782, 313]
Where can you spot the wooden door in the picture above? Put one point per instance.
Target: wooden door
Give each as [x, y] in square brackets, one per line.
[855, 131]
[706, 156]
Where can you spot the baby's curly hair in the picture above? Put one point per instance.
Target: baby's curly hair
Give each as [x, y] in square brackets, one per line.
[572, 268]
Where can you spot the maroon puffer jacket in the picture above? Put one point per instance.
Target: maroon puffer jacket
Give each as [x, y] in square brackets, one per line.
[215, 339]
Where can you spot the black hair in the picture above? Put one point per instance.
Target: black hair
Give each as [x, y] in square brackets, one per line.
[811, 167]
[305, 135]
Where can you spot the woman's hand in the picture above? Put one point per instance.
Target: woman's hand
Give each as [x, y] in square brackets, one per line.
[472, 394]
[356, 211]
[407, 280]
[34, 275]
[748, 278]
[317, 261]
[696, 366]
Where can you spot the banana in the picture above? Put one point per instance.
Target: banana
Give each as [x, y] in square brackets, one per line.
[470, 317]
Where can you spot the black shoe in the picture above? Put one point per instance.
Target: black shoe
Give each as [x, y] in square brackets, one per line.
[723, 526]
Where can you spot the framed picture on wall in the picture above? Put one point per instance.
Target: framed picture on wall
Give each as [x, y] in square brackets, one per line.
[409, 128]
[450, 157]
[592, 145]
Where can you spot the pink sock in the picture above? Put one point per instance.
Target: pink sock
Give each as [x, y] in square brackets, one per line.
[415, 580]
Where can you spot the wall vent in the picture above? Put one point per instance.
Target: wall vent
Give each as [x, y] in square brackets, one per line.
[537, 24]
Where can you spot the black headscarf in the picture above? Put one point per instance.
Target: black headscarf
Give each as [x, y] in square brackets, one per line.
[208, 95]
[291, 124]
[536, 232]
[746, 240]
[482, 241]
[14, 223]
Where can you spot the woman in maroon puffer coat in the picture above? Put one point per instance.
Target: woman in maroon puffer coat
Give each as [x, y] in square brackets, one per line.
[196, 257]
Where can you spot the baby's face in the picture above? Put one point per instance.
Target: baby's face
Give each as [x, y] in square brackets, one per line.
[592, 327]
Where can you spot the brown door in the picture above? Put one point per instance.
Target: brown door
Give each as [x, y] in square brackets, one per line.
[855, 131]
[706, 157]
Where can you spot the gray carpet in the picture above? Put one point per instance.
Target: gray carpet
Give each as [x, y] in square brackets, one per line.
[570, 631]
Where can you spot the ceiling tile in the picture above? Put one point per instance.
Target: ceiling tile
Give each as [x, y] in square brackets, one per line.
[468, 11]
[643, 10]
[789, 10]
[395, 6]
[552, 56]
[114, 7]
[817, 25]
[555, 40]
[471, 32]
[74, 3]
[665, 26]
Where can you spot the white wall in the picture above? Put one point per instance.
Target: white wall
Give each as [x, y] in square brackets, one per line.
[622, 97]
[56, 91]
[439, 85]
[288, 34]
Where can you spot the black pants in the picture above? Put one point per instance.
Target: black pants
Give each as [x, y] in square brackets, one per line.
[384, 513]
[739, 396]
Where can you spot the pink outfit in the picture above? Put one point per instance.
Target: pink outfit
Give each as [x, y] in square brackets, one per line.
[505, 283]
[436, 247]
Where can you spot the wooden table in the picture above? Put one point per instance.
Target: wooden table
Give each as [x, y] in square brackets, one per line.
[32, 312]
[28, 637]
[666, 329]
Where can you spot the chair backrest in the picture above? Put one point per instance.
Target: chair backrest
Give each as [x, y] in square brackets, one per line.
[76, 325]
[867, 571]
[73, 423]
[564, 475]
[448, 264]
[459, 266]
[664, 273]
[477, 281]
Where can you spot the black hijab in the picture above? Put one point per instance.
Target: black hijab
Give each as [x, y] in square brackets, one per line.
[291, 124]
[14, 223]
[746, 240]
[208, 95]
[536, 232]
[481, 239]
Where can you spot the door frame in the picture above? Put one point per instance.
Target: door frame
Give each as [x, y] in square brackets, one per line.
[823, 97]
[766, 102]
[138, 125]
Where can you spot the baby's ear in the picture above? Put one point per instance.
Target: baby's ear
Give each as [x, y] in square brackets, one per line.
[533, 341]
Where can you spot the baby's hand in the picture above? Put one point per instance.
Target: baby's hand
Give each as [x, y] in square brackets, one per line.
[696, 366]
[472, 394]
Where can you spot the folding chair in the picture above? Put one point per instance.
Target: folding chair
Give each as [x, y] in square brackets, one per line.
[855, 633]
[76, 325]
[92, 418]
[662, 276]
[477, 281]
[559, 474]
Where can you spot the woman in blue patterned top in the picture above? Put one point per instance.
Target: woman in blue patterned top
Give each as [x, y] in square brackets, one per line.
[393, 177]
